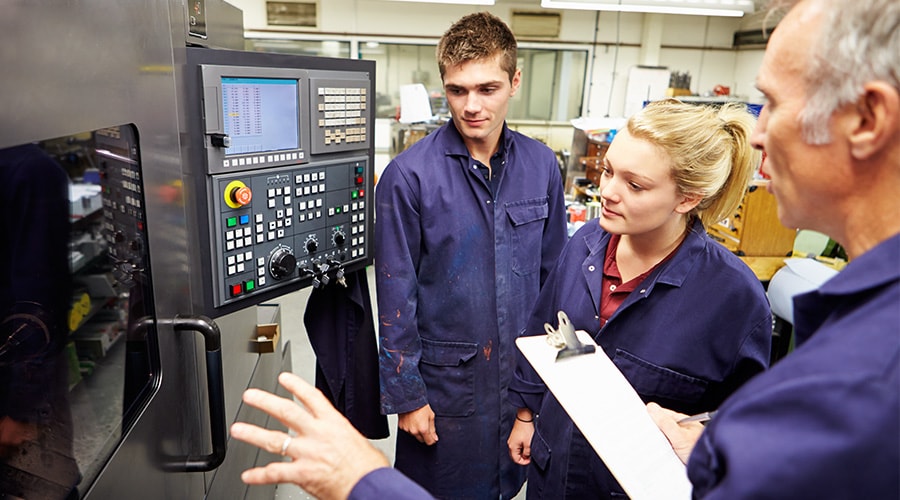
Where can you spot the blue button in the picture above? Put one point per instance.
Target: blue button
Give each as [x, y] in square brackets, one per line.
[245, 219]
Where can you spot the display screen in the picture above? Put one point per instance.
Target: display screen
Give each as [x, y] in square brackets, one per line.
[260, 114]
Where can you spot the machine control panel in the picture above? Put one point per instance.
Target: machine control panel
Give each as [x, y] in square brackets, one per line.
[287, 224]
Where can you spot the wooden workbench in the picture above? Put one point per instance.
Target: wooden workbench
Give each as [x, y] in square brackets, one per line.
[764, 267]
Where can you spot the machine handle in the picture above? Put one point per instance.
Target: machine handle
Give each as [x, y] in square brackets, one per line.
[212, 339]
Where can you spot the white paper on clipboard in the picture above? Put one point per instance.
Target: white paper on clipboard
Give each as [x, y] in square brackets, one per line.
[612, 417]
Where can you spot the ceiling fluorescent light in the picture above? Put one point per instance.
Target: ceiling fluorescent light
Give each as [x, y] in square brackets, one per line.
[729, 8]
[458, 2]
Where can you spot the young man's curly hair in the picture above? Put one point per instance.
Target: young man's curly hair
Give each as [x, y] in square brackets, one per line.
[476, 37]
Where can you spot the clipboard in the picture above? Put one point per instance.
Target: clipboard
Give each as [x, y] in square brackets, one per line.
[612, 417]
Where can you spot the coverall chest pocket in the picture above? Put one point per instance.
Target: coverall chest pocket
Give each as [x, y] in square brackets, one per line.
[658, 383]
[449, 373]
[527, 218]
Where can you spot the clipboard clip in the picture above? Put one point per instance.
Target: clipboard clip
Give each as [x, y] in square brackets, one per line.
[563, 338]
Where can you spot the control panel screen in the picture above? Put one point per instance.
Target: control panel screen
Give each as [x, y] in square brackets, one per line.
[260, 114]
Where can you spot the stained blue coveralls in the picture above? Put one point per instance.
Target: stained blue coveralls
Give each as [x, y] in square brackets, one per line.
[459, 262]
[693, 331]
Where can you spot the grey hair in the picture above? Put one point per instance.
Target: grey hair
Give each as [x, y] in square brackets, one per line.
[859, 42]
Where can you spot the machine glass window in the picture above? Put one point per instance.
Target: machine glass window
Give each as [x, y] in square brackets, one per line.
[552, 86]
[402, 64]
[77, 342]
[562, 72]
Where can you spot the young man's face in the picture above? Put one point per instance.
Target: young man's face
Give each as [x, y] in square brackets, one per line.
[478, 93]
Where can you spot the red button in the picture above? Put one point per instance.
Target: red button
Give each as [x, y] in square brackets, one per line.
[236, 290]
[362, 193]
[242, 195]
[359, 180]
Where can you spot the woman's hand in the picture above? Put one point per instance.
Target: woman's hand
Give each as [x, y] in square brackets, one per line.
[519, 441]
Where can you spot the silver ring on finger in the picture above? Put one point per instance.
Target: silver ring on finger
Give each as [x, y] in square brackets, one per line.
[284, 446]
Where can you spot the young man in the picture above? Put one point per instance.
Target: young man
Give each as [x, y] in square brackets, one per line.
[469, 221]
[825, 421]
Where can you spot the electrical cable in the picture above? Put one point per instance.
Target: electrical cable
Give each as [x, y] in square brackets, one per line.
[703, 54]
[612, 84]
[593, 60]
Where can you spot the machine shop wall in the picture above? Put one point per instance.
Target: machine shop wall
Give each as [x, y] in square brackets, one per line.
[698, 44]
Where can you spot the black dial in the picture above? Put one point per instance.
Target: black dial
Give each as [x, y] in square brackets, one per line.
[339, 238]
[311, 245]
[282, 263]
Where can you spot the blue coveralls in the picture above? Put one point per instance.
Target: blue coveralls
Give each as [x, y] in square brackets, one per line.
[697, 328]
[458, 267]
[825, 421]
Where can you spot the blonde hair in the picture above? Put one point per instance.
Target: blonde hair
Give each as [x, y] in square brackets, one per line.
[709, 148]
[476, 37]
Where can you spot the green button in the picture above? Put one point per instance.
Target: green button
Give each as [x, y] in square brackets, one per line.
[354, 195]
[249, 285]
[231, 222]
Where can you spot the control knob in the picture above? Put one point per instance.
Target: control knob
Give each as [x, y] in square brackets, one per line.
[282, 262]
[311, 244]
[339, 238]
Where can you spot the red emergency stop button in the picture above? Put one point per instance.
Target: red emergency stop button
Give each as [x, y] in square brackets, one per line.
[237, 194]
[242, 195]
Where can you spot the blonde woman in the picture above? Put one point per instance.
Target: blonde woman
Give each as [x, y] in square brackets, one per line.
[684, 319]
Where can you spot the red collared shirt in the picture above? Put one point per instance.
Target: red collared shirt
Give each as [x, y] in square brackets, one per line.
[614, 291]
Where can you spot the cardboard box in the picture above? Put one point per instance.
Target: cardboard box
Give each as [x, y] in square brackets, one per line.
[677, 92]
[268, 328]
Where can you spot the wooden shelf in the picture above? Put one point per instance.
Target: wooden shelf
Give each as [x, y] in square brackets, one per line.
[754, 229]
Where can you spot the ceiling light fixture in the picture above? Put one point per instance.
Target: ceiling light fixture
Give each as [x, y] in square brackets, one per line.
[729, 8]
[457, 2]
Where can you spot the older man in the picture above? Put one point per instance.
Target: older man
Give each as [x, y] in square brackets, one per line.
[825, 422]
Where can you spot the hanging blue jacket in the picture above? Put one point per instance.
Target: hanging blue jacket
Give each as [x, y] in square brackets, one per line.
[825, 421]
[338, 321]
[696, 329]
[458, 266]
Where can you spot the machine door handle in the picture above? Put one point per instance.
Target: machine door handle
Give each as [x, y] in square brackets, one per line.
[216, 389]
